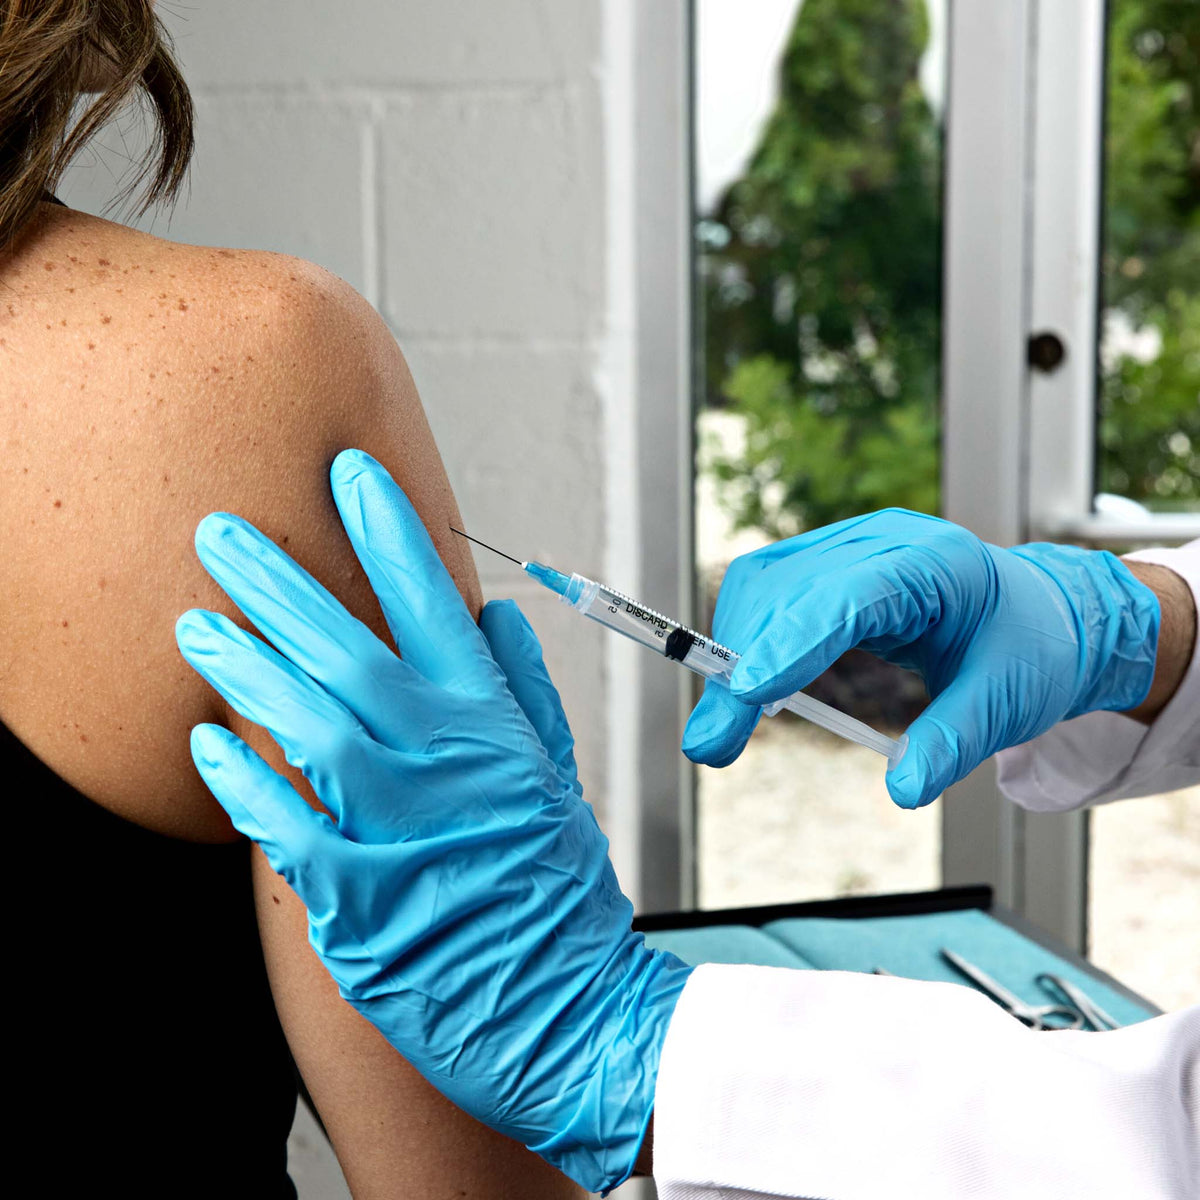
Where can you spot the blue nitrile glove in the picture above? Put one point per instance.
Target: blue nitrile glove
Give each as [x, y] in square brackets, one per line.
[464, 901]
[1009, 642]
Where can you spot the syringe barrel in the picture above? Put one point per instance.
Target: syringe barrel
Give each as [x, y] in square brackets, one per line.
[624, 615]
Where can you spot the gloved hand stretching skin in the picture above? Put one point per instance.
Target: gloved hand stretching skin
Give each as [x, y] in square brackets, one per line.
[464, 901]
[1009, 642]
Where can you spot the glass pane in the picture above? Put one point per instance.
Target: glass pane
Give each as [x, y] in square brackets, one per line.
[1149, 396]
[818, 242]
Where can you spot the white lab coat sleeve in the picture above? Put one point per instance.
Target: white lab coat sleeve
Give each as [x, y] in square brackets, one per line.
[1105, 756]
[841, 1086]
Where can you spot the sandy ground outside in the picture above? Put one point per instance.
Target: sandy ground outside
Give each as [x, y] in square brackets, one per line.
[1145, 895]
[802, 815]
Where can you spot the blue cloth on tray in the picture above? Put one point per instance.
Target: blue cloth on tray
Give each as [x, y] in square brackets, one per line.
[905, 945]
[728, 944]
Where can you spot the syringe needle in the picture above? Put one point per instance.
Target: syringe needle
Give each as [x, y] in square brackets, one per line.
[486, 546]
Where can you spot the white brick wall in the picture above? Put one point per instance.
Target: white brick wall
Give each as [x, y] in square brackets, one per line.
[385, 44]
[447, 158]
[491, 203]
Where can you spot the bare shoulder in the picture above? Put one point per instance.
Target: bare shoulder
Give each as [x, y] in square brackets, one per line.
[145, 384]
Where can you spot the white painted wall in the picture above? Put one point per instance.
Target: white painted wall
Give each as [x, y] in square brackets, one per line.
[451, 160]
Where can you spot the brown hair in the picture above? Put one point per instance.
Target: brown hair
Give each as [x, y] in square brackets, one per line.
[50, 51]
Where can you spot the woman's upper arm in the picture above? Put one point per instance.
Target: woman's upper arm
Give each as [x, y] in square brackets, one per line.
[333, 378]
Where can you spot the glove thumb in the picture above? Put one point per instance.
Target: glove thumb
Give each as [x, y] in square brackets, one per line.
[719, 727]
[948, 741]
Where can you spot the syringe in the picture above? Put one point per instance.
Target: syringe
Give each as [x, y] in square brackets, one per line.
[701, 654]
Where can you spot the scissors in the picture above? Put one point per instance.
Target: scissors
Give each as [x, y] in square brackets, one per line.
[1036, 1016]
[1078, 999]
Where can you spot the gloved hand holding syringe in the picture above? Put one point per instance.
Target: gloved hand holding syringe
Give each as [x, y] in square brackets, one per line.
[693, 650]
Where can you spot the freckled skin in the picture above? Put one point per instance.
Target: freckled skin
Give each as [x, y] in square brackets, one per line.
[140, 416]
[121, 399]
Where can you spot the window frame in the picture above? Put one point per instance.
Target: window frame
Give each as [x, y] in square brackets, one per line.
[1022, 211]
[984, 373]
[648, 115]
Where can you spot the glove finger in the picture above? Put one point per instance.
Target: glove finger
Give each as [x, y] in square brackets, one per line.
[428, 619]
[297, 840]
[302, 619]
[958, 731]
[802, 634]
[719, 727]
[317, 734]
[518, 653]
